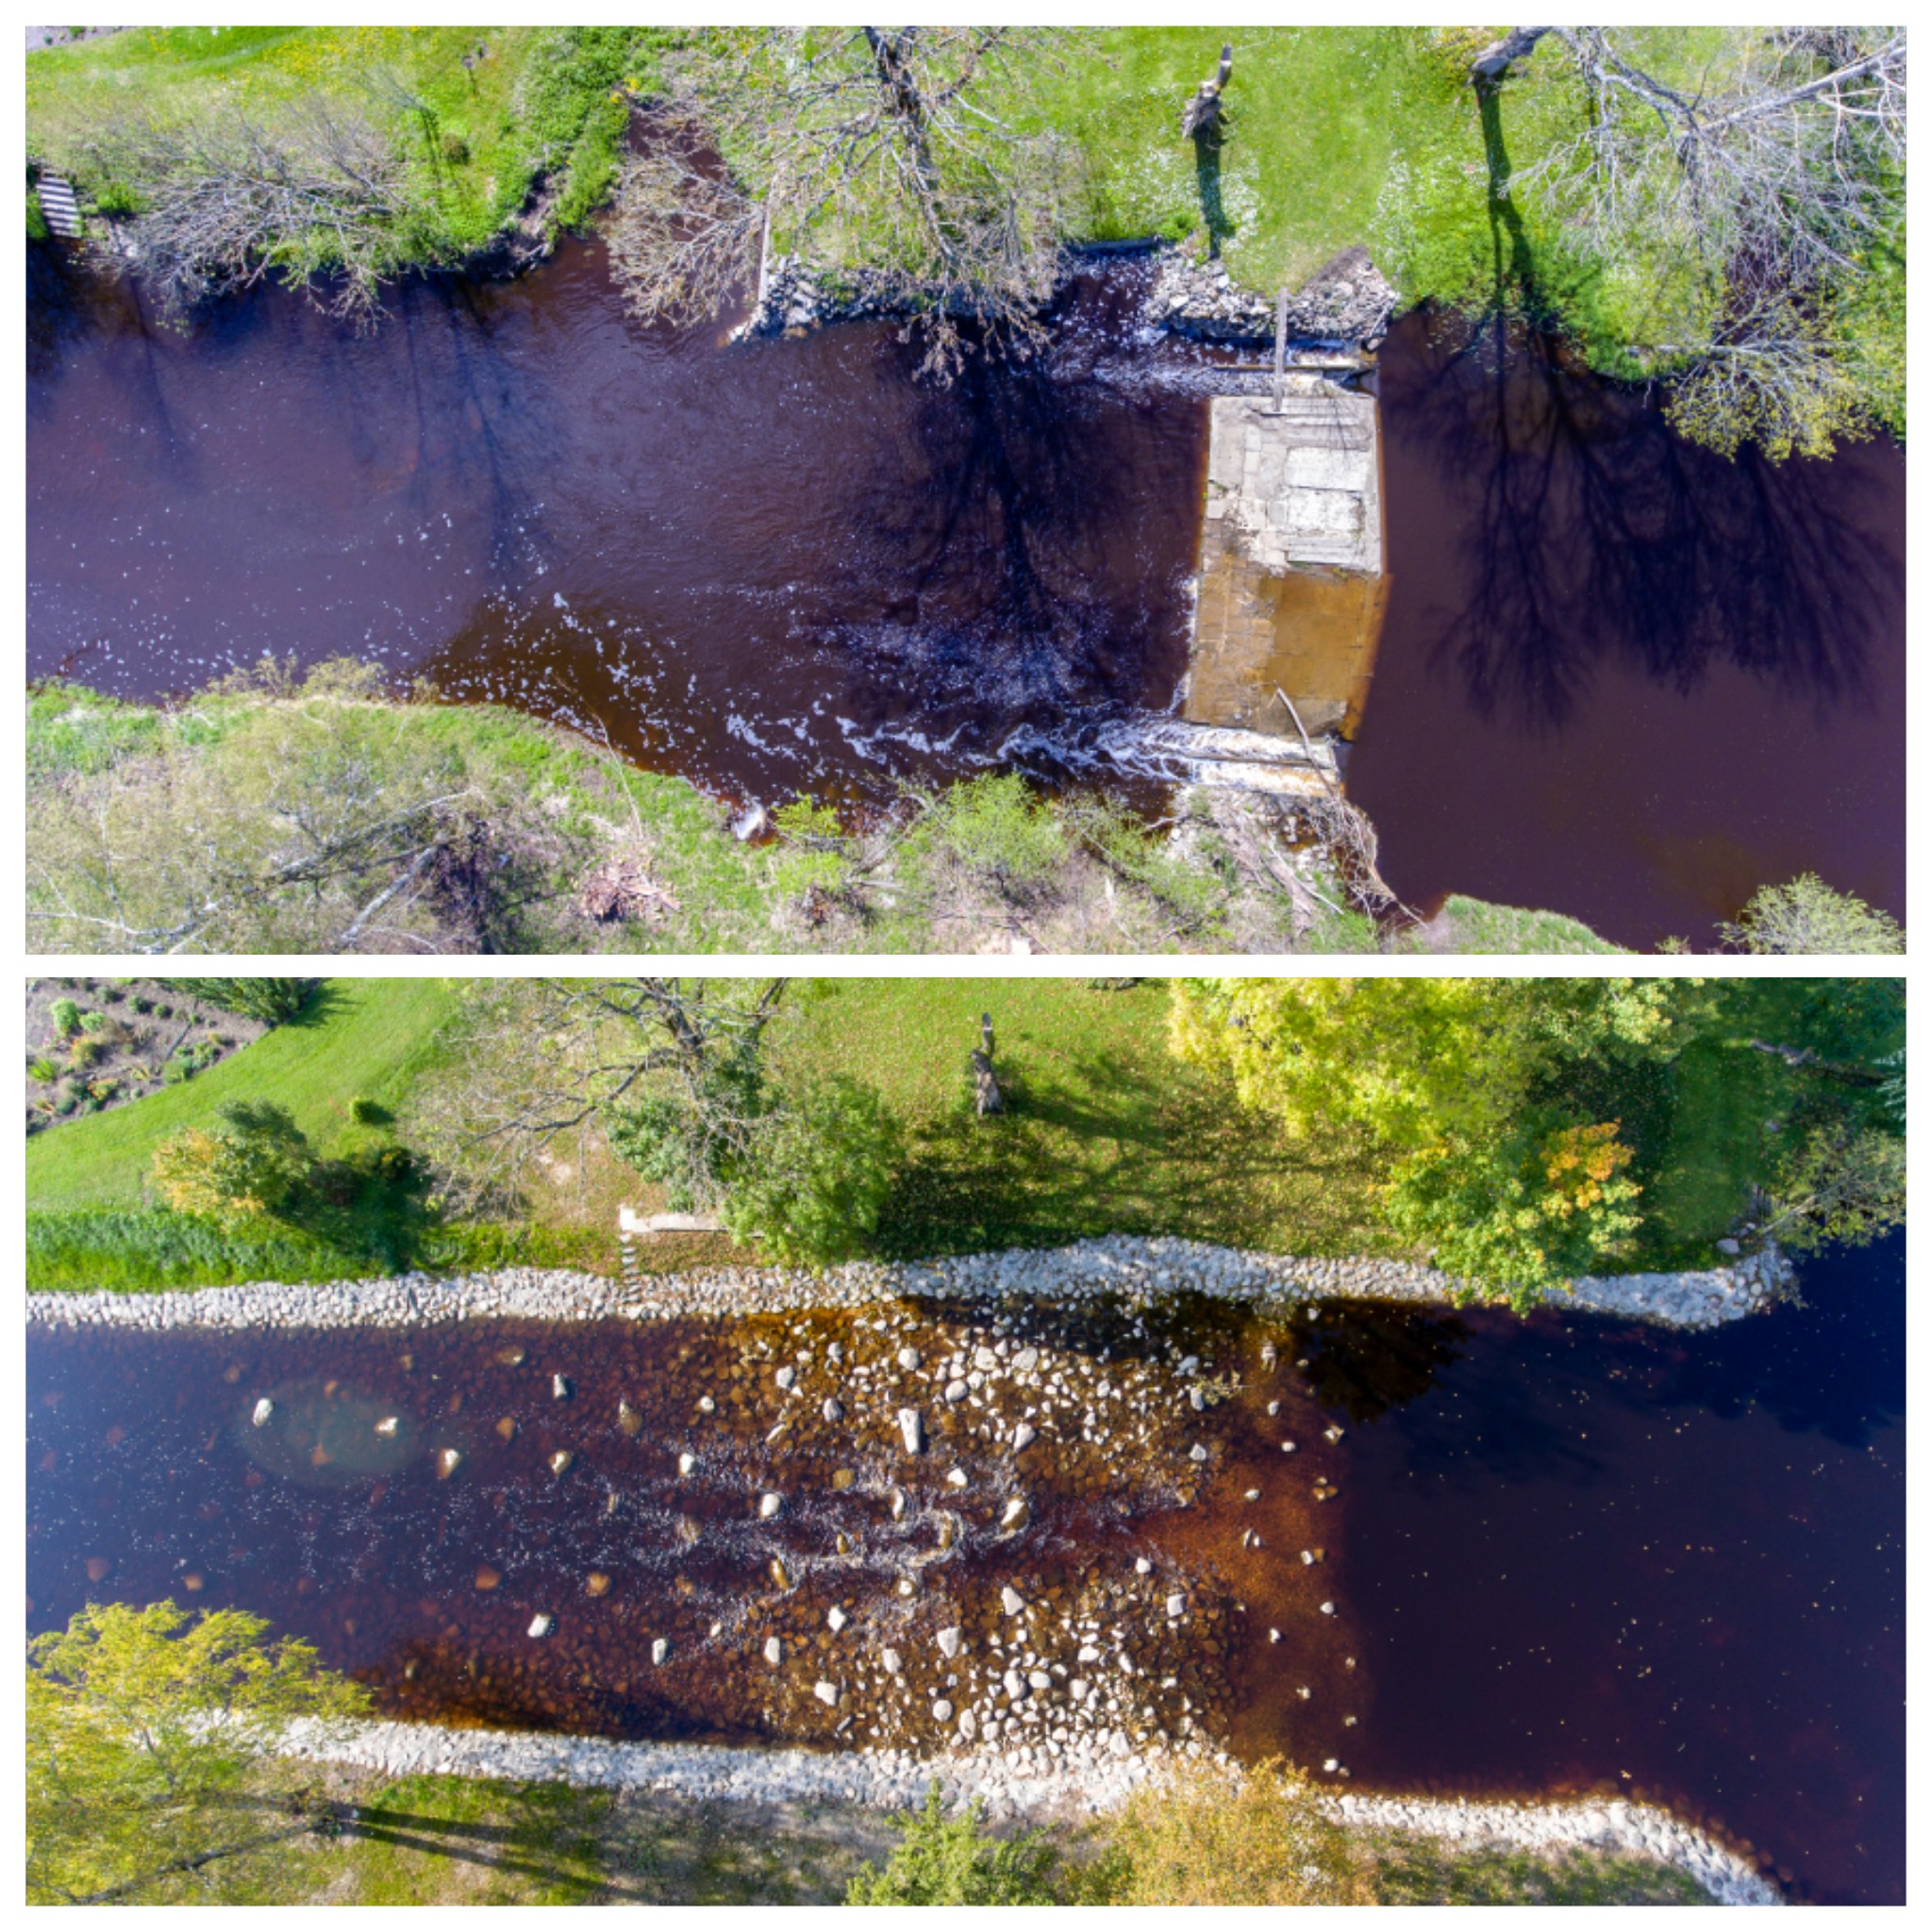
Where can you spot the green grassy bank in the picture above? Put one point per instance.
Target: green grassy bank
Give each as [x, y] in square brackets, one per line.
[1106, 1133]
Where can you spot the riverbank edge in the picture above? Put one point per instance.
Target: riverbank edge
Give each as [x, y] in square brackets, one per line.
[898, 1781]
[1134, 1268]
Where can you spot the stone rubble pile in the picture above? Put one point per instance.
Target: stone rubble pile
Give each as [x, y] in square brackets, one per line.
[1346, 301]
[1132, 1268]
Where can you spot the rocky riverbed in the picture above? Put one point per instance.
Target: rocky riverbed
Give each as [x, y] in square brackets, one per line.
[1136, 1270]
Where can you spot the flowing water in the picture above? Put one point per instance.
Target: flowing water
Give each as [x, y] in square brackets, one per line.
[1562, 1555]
[1619, 678]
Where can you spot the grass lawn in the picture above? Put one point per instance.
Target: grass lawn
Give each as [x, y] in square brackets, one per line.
[1105, 1133]
[362, 1038]
[475, 136]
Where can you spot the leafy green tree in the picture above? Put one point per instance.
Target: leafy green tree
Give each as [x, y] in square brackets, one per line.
[813, 1182]
[273, 1002]
[1461, 1085]
[957, 1861]
[1843, 1184]
[1807, 916]
[147, 1758]
[249, 1169]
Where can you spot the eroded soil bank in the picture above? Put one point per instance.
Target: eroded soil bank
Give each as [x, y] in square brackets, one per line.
[1567, 1556]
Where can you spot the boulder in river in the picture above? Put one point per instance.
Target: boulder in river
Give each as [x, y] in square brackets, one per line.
[660, 1650]
[389, 1425]
[263, 1411]
[541, 1625]
[1011, 1601]
[912, 1430]
[448, 1461]
[769, 1505]
[1024, 1435]
[774, 1651]
[562, 1461]
[560, 1388]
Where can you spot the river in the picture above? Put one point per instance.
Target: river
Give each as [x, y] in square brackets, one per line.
[1619, 678]
[1561, 1556]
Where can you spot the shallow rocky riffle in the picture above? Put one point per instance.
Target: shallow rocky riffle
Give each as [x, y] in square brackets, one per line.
[898, 1780]
[1134, 1269]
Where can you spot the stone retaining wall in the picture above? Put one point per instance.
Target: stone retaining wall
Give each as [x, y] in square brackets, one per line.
[1143, 1268]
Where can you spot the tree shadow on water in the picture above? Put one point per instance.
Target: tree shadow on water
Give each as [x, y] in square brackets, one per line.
[1589, 533]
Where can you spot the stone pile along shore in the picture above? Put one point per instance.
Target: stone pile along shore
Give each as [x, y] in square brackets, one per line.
[898, 1780]
[1130, 1268]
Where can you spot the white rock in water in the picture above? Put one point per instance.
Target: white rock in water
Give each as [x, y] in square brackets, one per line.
[1332, 1433]
[686, 1463]
[263, 1410]
[1274, 1409]
[1331, 1764]
[836, 1618]
[942, 1711]
[1177, 1605]
[957, 1477]
[1014, 1514]
[891, 1662]
[1328, 1609]
[1251, 1495]
[388, 1425]
[541, 1625]
[968, 1724]
[985, 1360]
[1077, 1689]
[448, 1462]
[898, 1505]
[824, 1692]
[949, 1641]
[1143, 1567]
[834, 1410]
[1089, 1655]
[1011, 1601]
[912, 1430]
[707, 1405]
[1039, 1680]
[1274, 1637]
[785, 1377]
[1196, 1399]
[1024, 1434]
[561, 1461]
[1027, 1360]
[774, 1651]
[560, 1386]
[1728, 1246]
[1015, 1686]
[1288, 1448]
[908, 1358]
[1197, 1453]
[1308, 1555]
[769, 1506]
[660, 1650]
[1188, 1364]
[956, 1391]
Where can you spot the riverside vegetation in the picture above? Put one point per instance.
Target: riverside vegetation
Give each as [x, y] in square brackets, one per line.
[278, 812]
[1520, 1132]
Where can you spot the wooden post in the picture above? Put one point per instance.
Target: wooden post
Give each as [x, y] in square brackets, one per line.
[987, 1098]
[1280, 347]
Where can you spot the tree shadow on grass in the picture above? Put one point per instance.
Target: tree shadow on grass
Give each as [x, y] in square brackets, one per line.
[516, 1849]
[1169, 1154]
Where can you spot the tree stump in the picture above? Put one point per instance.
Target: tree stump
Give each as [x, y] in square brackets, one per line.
[986, 1097]
[1201, 117]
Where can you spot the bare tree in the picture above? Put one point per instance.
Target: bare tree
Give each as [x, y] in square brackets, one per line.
[225, 198]
[1755, 194]
[891, 160]
[550, 1060]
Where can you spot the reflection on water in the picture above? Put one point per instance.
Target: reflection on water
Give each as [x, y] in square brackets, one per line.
[1564, 1554]
[1604, 644]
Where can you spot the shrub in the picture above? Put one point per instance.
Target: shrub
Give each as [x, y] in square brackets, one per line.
[93, 1023]
[1211, 1837]
[142, 1004]
[995, 828]
[44, 1071]
[249, 1169]
[66, 1018]
[369, 1113]
[85, 1051]
[1807, 916]
[955, 1861]
[113, 995]
[456, 150]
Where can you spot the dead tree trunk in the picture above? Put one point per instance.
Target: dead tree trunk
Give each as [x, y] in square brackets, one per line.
[1499, 56]
[1201, 117]
[986, 1097]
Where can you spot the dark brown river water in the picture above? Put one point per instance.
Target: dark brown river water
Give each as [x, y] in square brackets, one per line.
[1565, 1556]
[1620, 678]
